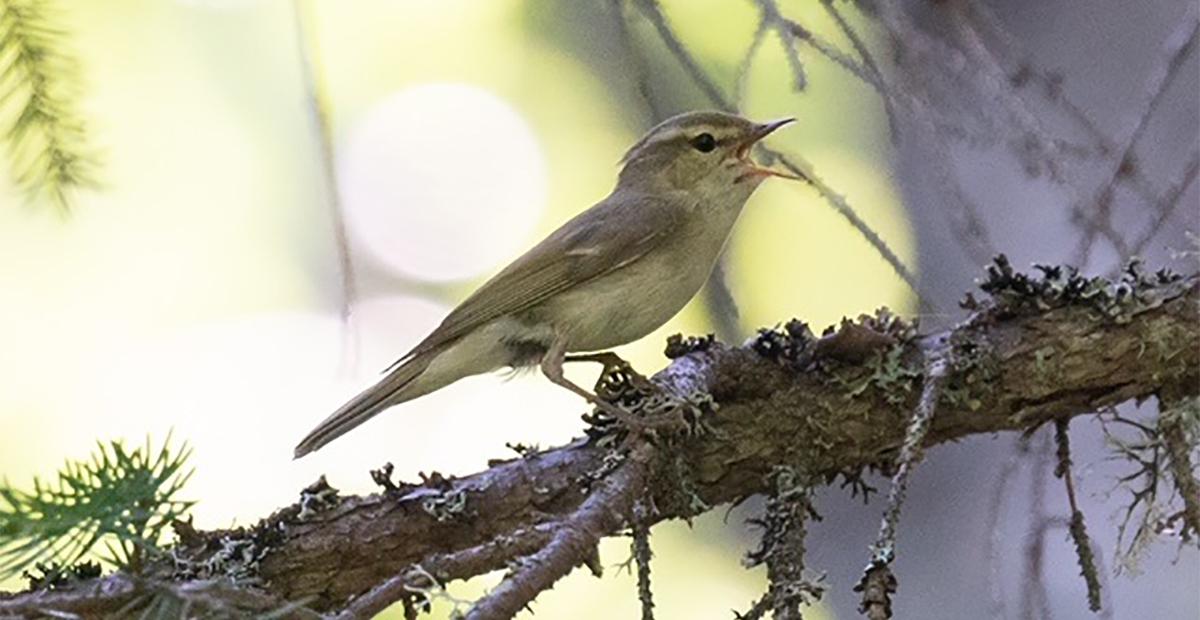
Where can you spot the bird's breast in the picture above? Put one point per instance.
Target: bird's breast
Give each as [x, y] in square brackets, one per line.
[630, 302]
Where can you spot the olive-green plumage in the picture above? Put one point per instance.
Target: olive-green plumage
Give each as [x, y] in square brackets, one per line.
[610, 275]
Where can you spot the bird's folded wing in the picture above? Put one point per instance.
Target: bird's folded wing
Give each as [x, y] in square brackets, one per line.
[610, 235]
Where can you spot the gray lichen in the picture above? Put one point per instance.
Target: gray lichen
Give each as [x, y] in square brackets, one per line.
[315, 498]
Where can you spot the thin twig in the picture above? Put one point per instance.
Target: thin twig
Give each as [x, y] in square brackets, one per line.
[743, 71]
[801, 167]
[1040, 150]
[318, 106]
[642, 556]
[787, 38]
[652, 12]
[872, 68]
[1035, 604]
[787, 513]
[1077, 527]
[878, 583]
[573, 542]
[782, 548]
[1051, 523]
[402, 585]
[1175, 49]
[642, 80]
[966, 219]
[1178, 448]
[757, 611]
[1023, 71]
[992, 82]
[1167, 206]
[997, 606]
[1036, 141]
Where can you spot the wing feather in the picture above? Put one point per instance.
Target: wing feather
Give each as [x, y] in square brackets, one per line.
[617, 231]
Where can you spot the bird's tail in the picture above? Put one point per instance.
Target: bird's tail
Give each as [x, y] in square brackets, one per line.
[371, 401]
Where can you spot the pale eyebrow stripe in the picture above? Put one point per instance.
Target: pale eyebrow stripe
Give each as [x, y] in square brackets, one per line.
[722, 135]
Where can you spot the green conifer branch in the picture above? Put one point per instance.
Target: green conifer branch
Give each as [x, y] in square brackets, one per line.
[46, 135]
[122, 499]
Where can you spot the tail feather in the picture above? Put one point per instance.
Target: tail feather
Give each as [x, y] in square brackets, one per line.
[370, 402]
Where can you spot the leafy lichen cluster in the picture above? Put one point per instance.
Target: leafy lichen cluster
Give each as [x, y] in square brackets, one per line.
[1014, 292]
[973, 370]
[316, 498]
[53, 575]
[791, 345]
[891, 374]
[679, 345]
[234, 556]
[848, 343]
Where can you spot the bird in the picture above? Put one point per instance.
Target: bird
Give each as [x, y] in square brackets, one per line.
[609, 276]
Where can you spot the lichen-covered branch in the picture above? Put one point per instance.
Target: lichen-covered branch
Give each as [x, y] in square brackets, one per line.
[1076, 526]
[1178, 423]
[1036, 349]
[641, 558]
[784, 527]
[878, 583]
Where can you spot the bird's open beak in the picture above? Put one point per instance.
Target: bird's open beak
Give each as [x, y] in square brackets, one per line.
[759, 132]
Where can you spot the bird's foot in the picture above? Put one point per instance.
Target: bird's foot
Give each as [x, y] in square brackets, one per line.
[637, 403]
[616, 372]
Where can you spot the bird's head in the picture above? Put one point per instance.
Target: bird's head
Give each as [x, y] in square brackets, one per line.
[707, 153]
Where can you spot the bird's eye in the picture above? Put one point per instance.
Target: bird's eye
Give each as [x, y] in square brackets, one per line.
[704, 142]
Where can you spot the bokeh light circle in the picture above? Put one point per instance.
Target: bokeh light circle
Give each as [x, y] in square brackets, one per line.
[442, 181]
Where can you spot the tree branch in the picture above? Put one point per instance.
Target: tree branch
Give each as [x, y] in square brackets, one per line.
[1037, 351]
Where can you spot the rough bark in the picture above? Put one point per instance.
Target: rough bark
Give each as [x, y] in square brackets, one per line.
[823, 406]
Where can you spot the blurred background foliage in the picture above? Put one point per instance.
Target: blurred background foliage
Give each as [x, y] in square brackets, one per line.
[198, 289]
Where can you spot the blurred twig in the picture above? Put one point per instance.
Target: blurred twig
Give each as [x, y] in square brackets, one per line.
[743, 70]
[912, 98]
[1023, 72]
[993, 544]
[722, 306]
[874, 76]
[47, 139]
[1035, 603]
[787, 38]
[651, 10]
[719, 301]
[318, 105]
[1175, 49]
[1039, 150]
[653, 13]
[1167, 206]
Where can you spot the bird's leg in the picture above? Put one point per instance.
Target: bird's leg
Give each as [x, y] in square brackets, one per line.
[689, 414]
[552, 367]
[613, 363]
